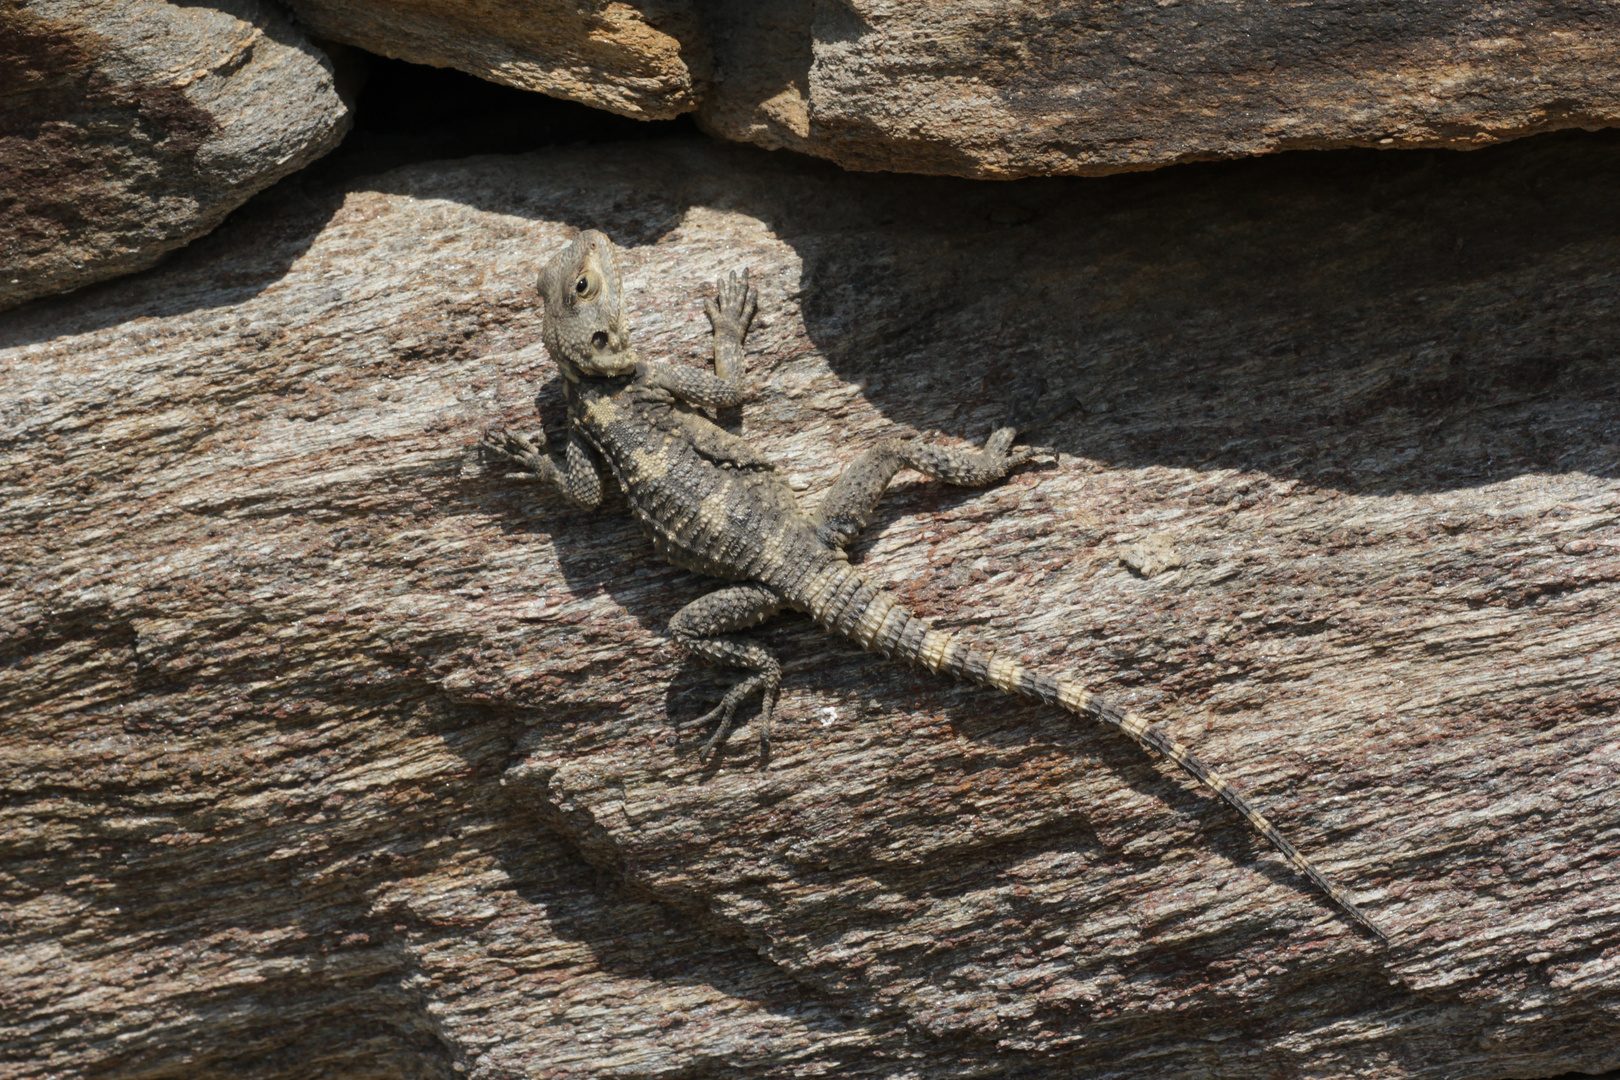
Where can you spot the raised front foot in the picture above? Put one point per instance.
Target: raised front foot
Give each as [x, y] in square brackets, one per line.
[731, 310]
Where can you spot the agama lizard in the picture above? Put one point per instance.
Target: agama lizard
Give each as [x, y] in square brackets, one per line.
[713, 505]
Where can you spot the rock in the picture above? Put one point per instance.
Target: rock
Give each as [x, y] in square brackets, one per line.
[646, 60]
[132, 127]
[1018, 89]
[1021, 89]
[342, 756]
[1153, 556]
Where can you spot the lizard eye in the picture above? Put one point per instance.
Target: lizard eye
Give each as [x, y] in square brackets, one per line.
[587, 286]
[599, 339]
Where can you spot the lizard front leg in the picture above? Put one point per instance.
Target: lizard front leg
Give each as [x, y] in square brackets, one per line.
[848, 505]
[730, 312]
[577, 475]
[702, 628]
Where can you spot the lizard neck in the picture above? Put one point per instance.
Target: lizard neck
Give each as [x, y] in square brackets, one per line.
[579, 391]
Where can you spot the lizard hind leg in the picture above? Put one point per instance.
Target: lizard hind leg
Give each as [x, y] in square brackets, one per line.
[848, 505]
[703, 628]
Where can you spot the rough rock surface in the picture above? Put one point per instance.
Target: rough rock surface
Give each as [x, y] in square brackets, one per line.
[327, 754]
[646, 59]
[131, 127]
[1002, 90]
[1013, 89]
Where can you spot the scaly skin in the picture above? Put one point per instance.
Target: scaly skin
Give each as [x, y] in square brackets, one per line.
[714, 506]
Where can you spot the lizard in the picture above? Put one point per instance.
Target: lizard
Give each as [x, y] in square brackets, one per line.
[714, 505]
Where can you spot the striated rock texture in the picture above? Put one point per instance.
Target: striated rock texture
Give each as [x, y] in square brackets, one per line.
[646, 59]
[327, 754]
[131, 127]
[1028, 88]
[1013, 89]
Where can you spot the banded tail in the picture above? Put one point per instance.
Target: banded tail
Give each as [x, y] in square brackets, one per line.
[841, 599]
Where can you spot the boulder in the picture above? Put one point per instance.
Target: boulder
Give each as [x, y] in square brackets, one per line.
[647, 60]
[1015, 89]
[331, 753]
[1003, 90]
[132, 127]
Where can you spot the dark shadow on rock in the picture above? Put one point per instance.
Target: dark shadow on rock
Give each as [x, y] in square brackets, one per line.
[1355, 320]
[631, 934]
[407, 113]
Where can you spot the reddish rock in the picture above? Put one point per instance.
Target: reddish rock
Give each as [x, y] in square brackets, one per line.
[647, 59]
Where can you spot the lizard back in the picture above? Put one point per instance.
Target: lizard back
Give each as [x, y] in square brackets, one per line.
[709, 502]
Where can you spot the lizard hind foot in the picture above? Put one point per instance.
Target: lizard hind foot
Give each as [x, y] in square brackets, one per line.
[765, 683]
[703, 630]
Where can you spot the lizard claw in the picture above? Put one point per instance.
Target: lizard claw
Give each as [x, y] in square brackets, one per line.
[731, 309]
[1021, 454]
[508, 447]
[726, 711]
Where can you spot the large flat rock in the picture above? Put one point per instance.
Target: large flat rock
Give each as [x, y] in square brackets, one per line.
[1012, 89]
[331, 754]
[131, 127]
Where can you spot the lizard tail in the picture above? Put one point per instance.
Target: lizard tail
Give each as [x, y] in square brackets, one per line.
[840, 598]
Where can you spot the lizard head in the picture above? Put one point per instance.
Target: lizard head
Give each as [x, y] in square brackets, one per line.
[585, 330]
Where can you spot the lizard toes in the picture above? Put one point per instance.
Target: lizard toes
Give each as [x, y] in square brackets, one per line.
[503, 446]
[734, 301]
[1029, 453]
[726, 713]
